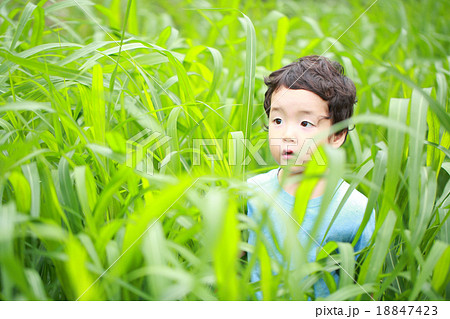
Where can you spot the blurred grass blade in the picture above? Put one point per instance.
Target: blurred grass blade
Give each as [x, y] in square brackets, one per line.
[172, 132]
[374, 262]
[154, 250]
[98, 106]
[52, 69]
[397, 111]
[68, 195]
[246, 113]
[24, 19]
[377, 179]
[433, 257]
[80, 277]
[13, 272]
[36, 284]
[419, 107]
[218, 65]
[279, 43]
[32, 175]
[426, 199]
[347, 264]
[22, 191]
[236, 151]
[441, 273]
[221, 240]
[312, 175]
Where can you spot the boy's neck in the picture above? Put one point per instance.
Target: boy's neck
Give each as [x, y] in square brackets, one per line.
[291, 187]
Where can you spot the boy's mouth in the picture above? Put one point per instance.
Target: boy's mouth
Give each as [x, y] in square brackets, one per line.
[288, 153]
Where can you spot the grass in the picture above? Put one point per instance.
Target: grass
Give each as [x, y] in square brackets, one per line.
[81, 220]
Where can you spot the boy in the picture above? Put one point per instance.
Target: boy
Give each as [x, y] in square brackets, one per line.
[304, 98]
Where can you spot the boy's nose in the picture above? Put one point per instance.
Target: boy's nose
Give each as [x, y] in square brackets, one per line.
[289, 139]
[288, 134]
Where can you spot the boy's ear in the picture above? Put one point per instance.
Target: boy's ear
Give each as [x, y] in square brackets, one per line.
[336, 140]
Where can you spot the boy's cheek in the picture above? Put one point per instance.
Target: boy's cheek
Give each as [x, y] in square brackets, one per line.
[276, 153]
[318, 141]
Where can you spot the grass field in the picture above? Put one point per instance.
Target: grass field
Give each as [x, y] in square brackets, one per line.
[122, 122]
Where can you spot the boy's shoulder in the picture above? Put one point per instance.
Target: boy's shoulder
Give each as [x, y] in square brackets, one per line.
[356, 202]
[264, 179]
[266, 182]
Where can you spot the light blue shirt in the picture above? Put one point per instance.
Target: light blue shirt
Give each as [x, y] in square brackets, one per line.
[279, 205]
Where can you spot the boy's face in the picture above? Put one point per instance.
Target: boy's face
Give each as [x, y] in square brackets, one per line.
[296, 116]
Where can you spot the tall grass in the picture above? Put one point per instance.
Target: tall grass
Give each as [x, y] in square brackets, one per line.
[81, 220]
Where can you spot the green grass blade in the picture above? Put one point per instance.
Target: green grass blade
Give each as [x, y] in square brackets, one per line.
[246, 113]
[32, 175]
[279, 43]
[347, 264]
[419, 107]
[350, 292]
[98, 106]
[154, 250]
[36, 284]
[218, 65]
[374, 262]
[68, 195]
[236, 151]
[13, 271]
[24, 19]
[397, 111]
[52, 69]
[433, 257]
[22, 191]
[441, 273]
[172, 131]
[377, 180]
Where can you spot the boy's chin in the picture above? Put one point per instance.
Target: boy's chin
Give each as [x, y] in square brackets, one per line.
[295, 165]
[293, 169]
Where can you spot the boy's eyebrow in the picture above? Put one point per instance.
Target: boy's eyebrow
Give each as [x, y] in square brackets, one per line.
[279, 109]
[276, 108]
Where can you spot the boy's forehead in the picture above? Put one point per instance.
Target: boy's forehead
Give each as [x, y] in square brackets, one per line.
[298, 101]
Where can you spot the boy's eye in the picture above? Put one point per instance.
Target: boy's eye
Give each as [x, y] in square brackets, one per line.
[306, 124]
[277, 121]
